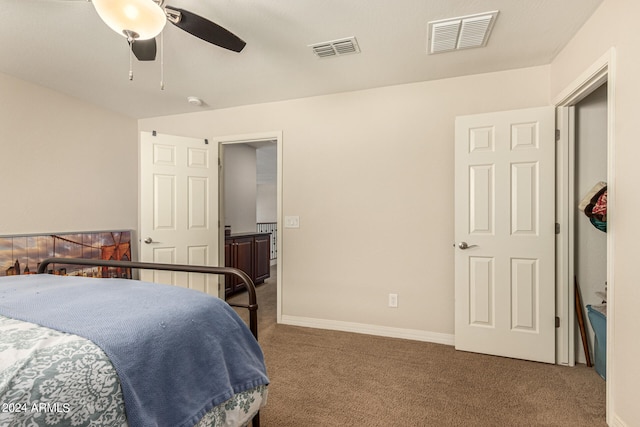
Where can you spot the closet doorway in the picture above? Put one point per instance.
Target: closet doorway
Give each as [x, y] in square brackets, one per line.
[590, 239]
[584, 153]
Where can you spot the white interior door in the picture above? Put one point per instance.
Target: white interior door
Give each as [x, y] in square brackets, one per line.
[179, 208]
[505, 234]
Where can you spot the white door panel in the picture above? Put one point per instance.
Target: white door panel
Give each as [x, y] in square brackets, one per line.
[504, 212]
[179, 208]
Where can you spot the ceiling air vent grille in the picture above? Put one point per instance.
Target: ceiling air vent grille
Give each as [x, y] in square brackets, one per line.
[336, 47]
[464, 32]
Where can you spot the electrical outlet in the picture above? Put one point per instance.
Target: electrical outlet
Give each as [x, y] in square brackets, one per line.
[393, 300]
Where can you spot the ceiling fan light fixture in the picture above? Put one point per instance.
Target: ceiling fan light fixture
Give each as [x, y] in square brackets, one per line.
[137, 19]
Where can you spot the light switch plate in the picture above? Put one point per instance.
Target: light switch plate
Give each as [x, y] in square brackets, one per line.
[291, 222]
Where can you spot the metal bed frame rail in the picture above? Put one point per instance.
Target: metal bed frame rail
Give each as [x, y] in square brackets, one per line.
[252, 306]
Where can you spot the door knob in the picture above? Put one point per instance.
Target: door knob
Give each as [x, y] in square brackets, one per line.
[148, 240]
[465, 245]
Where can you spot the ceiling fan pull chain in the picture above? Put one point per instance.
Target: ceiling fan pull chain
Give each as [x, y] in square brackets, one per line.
[131, 60]
[162, 60]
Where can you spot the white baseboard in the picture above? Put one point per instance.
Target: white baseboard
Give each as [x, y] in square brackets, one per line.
[617, 422]
[362, 328]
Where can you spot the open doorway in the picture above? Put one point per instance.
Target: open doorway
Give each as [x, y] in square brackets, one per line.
[250, 200]
[599, 81]
[590, 240]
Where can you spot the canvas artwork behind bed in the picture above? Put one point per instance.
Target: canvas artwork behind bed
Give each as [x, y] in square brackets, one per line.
[21, 254]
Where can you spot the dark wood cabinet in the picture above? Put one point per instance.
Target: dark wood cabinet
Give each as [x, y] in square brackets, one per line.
[262, 257]
[249, 252]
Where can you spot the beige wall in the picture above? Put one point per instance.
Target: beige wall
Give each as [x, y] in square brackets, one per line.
[266, 203]
[65, 165]
[369, 173]
[240, 187]
[614, 24]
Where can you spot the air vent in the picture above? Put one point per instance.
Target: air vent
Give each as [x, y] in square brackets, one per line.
[464, 32]
[336, 47]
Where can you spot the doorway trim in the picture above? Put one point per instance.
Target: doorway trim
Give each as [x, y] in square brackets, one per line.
[601, 71]
[244, 139]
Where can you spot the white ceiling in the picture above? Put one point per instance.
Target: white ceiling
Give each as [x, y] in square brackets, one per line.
[63, 45]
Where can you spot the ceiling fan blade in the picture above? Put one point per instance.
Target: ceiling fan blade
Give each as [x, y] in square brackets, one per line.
[144, 50]
[205, 29]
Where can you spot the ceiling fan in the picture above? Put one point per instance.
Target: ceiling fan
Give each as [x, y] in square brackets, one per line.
[140, 21]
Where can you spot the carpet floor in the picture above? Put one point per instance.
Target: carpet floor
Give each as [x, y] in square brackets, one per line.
[328, 378]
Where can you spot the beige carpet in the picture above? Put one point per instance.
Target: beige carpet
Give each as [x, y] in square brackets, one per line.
[328, 378]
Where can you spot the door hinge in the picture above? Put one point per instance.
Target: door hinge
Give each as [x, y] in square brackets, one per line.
[557, 228]
[557, 322]
[557, 134]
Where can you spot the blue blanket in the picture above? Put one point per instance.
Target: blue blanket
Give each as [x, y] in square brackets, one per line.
[178, 352]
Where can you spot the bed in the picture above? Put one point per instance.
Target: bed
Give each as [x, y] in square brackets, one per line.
[78, 351]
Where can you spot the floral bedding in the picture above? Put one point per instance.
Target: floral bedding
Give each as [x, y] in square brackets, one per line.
[51, 378]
